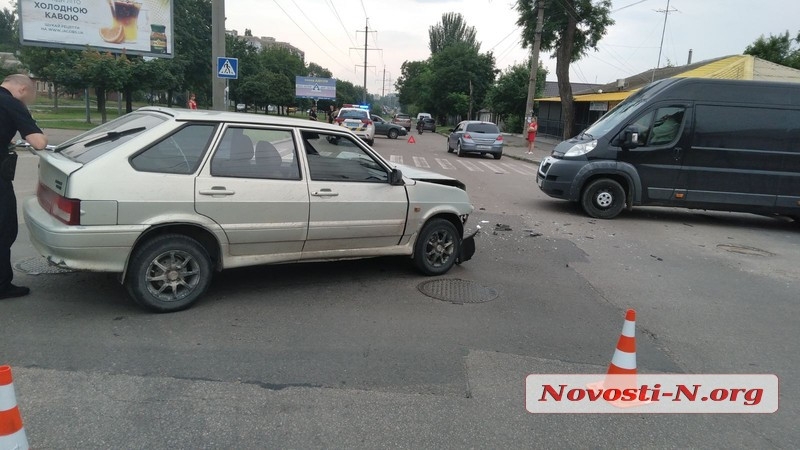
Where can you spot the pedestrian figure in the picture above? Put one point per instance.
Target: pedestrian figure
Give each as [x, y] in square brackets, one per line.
[15, 92]
[331, 113]
[312, 113]
[192, 102]
[533, 127]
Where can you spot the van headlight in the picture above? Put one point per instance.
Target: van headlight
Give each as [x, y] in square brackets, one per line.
[582, 148]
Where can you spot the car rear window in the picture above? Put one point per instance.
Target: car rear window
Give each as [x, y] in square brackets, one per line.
[483, 128]
[98, 141]
[353, 114]
[403, 116]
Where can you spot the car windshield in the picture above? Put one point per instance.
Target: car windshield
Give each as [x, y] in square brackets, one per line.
[98, 141]
[620, 113]
[352, 114]
[489, 128]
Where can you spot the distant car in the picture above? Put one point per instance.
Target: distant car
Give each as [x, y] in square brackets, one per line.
[196, 192]
[424, 114]
[241, 107]
[358, 121]
[428, 124]
[387, 129]
[404, 120]
[473, 136]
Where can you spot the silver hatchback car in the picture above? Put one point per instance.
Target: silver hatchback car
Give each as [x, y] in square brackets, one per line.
[474, 136]
[166, 197]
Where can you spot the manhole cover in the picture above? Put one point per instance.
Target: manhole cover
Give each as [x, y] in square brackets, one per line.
[457, 291]
[38, 266]
[744, 250]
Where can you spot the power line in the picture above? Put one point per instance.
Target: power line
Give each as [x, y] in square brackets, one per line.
[365, 10]
[318, 30]
[336, 13]
[503, 40]
[307, 35]
[628, 6]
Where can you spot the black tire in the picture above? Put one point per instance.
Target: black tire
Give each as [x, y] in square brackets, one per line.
[459, 151]
[371, 142]
[497, 155]
[436, 249]
[447, 143]
[603, 198]
[393, 134]
[408, 129]
[181, 262]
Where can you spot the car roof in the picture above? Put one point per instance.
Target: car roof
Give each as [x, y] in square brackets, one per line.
[469, 122]
[238, 118]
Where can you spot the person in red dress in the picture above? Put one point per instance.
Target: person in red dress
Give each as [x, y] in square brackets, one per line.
[192, 102]
[533, 127]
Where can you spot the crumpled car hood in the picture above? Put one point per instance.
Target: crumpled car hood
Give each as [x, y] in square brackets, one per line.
[418, 174]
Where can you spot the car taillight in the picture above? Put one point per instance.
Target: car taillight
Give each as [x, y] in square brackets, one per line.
[67, 210]
[339, 120]
[500, 137]
[467, 136]
[366, 121]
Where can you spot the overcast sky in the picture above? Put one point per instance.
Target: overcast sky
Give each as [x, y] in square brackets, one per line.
[326, 30]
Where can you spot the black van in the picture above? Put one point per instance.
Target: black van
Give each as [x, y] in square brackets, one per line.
[724, 145]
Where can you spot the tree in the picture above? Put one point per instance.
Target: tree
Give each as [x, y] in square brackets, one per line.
[453, 29]
[315, 70]
[104, 72]
[777, 49]
[508, 96]
[459, 69]
[9, 41]
[193, 45]
[571, 28]
[414, 85]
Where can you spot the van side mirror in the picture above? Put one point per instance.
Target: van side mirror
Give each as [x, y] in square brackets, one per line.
[629, 138]
[396, 178]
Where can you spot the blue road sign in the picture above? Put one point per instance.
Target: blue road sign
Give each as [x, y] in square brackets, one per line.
[227, 68]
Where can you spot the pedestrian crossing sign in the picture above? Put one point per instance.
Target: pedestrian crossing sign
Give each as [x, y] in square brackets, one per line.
[227, 68]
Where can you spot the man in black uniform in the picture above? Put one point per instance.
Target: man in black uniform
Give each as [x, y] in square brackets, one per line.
[15, 91]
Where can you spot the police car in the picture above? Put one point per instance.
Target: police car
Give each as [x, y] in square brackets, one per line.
[358, 121]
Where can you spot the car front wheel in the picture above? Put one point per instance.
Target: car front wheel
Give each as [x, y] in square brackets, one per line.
[169, 273]
[371, 142]
[436, 248]
[393, 134]
[603, 198]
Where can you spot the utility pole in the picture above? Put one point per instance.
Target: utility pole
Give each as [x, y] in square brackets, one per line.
[537, 42]
[383, 81]
[366, 50]
[217, 49]
[661, 46]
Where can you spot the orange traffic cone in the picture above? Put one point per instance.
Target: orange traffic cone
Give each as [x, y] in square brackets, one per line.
[621, 372]
[411, 140]
[12, 434]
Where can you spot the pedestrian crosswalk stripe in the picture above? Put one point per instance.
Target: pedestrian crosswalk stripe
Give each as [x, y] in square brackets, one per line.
[397, 159]
[446, 165]
[469, 166]
[516, 169]
[421, 162]
[494, 168]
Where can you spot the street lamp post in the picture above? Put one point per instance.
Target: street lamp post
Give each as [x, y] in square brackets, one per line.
[217, 50]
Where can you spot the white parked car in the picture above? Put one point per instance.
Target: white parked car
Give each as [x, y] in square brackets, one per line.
[166, 197]
[358, 121]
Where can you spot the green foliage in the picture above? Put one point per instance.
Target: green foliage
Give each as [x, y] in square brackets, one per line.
[105, 73]
[315, 70]
[514, 123]
[453, 29]
[267, 88]
[9, 40]
[454, 70]
[508, 96]
[193, 44]
[777, 49]
[414, 85]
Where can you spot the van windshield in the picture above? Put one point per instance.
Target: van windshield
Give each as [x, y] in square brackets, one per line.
[618, 114]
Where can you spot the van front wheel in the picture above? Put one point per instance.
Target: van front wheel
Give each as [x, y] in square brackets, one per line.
[603, 199]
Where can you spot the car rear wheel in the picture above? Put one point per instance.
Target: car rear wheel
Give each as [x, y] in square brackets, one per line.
[393, 134]
[169, 273]
[371, 142]
[459, 151]
[447, 143]
[497, 155]
[436, 248]
[603, 198]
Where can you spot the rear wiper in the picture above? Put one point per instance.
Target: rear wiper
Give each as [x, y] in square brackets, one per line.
[109, 136]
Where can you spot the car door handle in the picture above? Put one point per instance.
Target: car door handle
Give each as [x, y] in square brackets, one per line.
[216, 190]
[325, 193]
[678, 153]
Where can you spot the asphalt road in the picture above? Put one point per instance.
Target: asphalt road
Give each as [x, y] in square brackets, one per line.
[352, 354]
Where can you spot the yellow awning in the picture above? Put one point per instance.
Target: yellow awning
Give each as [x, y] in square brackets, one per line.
[604, 97]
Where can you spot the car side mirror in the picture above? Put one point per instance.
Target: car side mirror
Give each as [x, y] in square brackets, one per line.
[452, 130]
[396, 178]
[629, 139]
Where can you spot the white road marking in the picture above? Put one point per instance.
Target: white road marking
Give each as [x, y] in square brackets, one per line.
[421, 162]
[494, 168]
[446, 165]
[518, 170]
[469, 166]
[398, 159]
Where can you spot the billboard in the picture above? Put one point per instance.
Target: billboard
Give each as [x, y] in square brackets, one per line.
[142, 27]
[315, 87]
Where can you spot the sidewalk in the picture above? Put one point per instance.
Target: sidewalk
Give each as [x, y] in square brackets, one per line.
[516, 147]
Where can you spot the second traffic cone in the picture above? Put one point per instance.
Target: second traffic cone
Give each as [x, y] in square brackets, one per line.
[411, 140]
[621, 372]
[12, 434]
